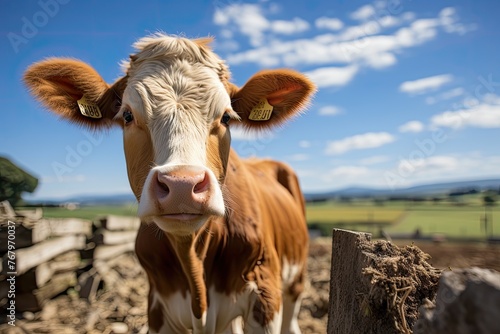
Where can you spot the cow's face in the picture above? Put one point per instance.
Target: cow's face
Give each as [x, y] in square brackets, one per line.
[175, 113]
[176, 107]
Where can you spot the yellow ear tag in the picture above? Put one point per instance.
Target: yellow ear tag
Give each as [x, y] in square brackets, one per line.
[262, 111]
[89, 109]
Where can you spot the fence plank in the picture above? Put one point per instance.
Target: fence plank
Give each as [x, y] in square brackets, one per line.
[27, 258]
[28, 233]
[112, 222]
[106, 252]
[107, 237]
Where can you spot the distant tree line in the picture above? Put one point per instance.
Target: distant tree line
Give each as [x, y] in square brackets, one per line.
[465, 191]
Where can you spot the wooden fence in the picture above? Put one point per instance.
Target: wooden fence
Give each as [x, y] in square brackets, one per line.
[48, 256]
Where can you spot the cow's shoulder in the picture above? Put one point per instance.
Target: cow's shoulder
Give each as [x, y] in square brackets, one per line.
[282, 173]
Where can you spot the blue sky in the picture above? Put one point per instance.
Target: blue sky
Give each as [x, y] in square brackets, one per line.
[409, 91]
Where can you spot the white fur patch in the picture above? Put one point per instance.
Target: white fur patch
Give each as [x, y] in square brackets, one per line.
[176, 312]
[289, 272]
[291, 308]
[221, 316]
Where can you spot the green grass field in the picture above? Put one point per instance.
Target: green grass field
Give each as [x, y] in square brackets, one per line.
[91, 212]
[450, 219]
[359, 217]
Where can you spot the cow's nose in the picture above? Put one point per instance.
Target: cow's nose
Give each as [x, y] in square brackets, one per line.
[183, 190]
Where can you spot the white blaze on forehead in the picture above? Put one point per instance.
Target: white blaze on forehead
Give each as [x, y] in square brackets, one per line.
[179, 101]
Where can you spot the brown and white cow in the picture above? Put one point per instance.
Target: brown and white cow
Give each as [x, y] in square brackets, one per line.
[232, 250]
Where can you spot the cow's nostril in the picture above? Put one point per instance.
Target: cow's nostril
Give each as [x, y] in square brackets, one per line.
[163, 184]
[202, 186]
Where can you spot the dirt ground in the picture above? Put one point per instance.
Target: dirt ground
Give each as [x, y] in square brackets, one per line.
[451, 255]
[121, 307]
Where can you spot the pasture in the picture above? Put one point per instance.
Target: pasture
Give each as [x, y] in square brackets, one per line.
[463, 220]
[90, 212]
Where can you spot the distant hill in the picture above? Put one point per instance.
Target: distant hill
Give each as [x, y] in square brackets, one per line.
[421, 190]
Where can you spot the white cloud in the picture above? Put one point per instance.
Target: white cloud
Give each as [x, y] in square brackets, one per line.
[421, 169]
[449, 19]
[412, 126]
[363, 30]
[304, 173]
[417, 169]
[449, 94]
[248, 18]
[482, 115]
[345, 175]
[332, 76]
[366, 44]
[329, 111]
[374, 160]
[433, 165]
[424, 85]
[361, 44]
[409, 172]
[477, 165]
[289, 27]
[304, 144]
[389, 21]
[328, 23]
[358, 142]
[363, 13]
[439, 162]
[452, 93]
[447, 12]
[381, 60]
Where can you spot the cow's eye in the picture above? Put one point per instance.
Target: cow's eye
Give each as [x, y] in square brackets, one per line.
[225, 119]
[128, 116]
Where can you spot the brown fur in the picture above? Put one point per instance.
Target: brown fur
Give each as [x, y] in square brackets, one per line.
[59, 82]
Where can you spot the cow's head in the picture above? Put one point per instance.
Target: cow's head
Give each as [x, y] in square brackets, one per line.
[175, 105]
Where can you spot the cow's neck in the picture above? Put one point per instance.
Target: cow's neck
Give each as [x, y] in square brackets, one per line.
[191, 251]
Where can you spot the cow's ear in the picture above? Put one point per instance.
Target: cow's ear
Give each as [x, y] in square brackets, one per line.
[271, 97]
[75, 91]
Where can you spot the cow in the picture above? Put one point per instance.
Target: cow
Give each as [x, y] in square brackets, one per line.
[223, 240]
